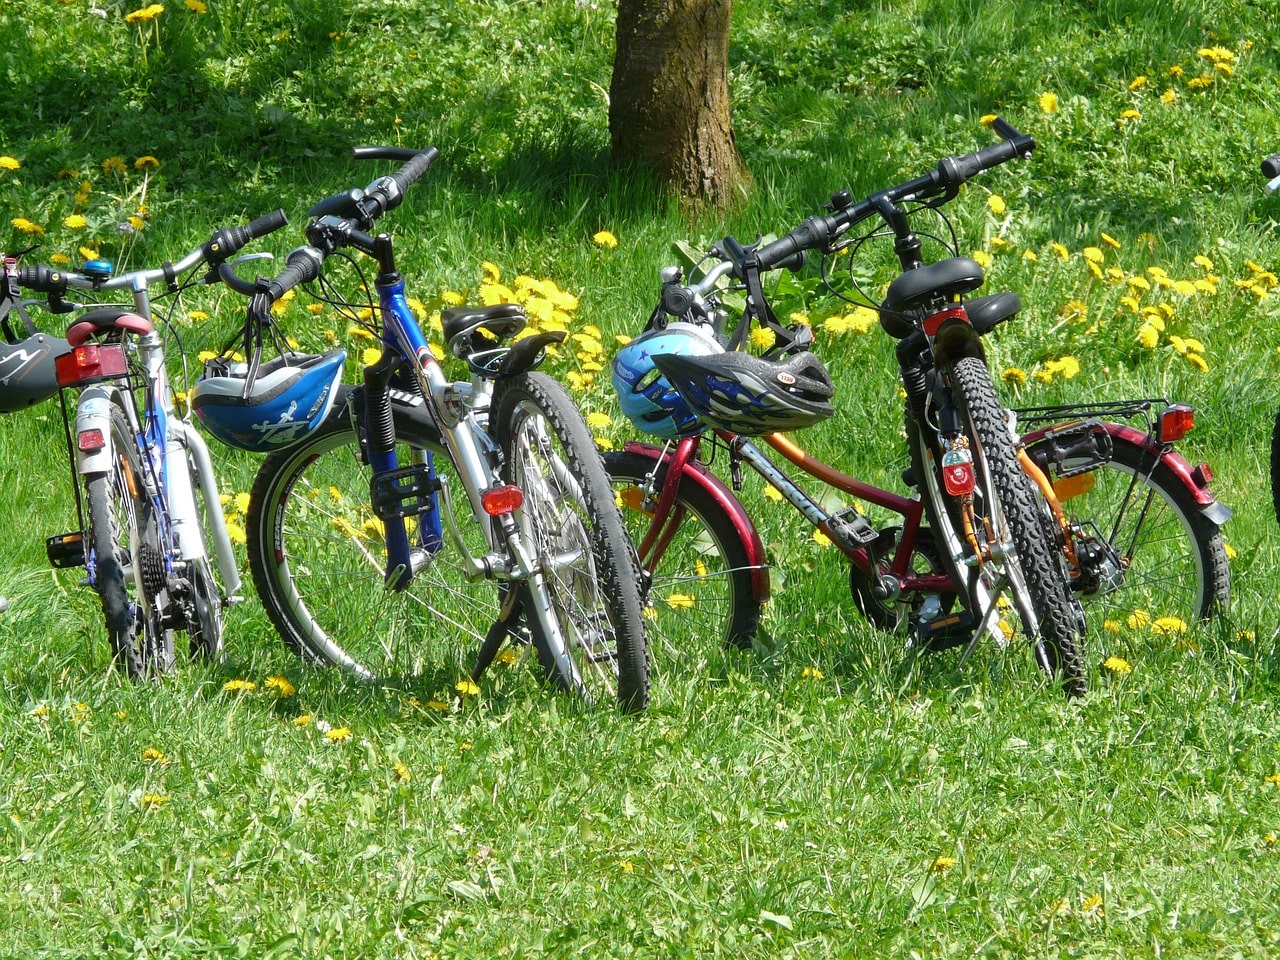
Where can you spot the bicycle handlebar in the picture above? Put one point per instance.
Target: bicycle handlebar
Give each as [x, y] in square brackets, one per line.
[367, 205]
[817, 232]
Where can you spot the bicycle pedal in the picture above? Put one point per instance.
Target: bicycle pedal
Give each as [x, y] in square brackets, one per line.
[852, 529]
[406, 492]
[943, 633]
[65, 550]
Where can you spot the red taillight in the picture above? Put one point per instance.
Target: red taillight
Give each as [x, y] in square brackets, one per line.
[91, 440]
[499, 501]
[1202, 475]
[1175, 422]
[91, 361]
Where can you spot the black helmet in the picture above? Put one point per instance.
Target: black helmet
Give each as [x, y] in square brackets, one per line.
[751, 395]
[26, 371]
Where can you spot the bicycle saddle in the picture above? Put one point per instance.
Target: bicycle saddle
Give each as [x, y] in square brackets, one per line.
[987, 312]
[97, 322]
[499, 322]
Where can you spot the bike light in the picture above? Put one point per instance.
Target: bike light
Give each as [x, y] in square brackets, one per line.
[1175, 422]
[499, 501]
[90, 361]
[90, 440]
[1202, 475]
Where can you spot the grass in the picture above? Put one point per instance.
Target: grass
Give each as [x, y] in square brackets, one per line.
[822, 796]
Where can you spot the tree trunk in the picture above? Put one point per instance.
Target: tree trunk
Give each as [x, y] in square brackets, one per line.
[669, 98]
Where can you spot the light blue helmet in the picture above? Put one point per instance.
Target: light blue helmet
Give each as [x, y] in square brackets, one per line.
[647, 397]
[281, 403]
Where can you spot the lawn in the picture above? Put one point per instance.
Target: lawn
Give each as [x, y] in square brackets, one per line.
[825, 794]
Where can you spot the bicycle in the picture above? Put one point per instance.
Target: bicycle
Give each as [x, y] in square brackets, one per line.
[350, 525]
[989, 513]
[1271, 170]
[147, 500]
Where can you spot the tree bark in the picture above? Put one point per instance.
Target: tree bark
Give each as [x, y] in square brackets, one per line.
[669, 97]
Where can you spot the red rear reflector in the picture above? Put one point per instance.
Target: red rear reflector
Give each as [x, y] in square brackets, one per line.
[933, 323]
[498, 501]
[1175, 422]
[91, 361]
[1202, 475]
[91, 440]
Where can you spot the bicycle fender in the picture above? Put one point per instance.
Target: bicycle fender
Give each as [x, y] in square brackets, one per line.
[1177, 464]
[93, 413]
[752, 545]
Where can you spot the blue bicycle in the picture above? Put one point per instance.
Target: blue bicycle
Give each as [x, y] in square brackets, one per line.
[359, 551]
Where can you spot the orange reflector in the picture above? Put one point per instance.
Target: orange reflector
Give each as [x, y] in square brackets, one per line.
[91, 361]
[498, 501]
[1067, 487]
[91, 440]
[1175, 422]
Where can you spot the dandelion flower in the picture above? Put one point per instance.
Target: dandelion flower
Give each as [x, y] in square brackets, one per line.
[1092, 905]
[680, 601]
[821, 539]
[996, 204]
[401, 772]
[302, 720]
[146, 163]
[1130, 115]
[942, 864]
[338, 734]
[605, 239]
[1169, 96]
[75, 222]
[196, 6]
[23, 225]
[1148, 336]
[1117, 665]
[152, 801]
[981, 258]
[812, 673]
[1110, 241]
[1014, 377]
[1048, 102]
[1198, 362]
[281, 685]
[152, 755]
[762, 338]
[1137, 83]
[1060, 251]
[9, 163]
[239, 686]
[468, 688]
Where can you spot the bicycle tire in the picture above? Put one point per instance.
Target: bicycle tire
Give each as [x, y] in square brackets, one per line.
[700, 585]
[569, 511]
[1047, 603]
[1172, 557]
[317, 560]
[126, 553]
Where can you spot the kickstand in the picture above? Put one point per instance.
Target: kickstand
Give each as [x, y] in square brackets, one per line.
[502, 628]
[986, 619]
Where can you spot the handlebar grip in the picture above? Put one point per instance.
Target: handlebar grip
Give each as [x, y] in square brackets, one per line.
[42, 279]
[412, 170]
[302, 266]
[228, 241]
[1271, 166]
[956, 170]
[387, 192]
[788, 251]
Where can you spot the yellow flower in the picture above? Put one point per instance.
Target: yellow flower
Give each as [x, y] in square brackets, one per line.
[996, 204]
[239, 686]
[75, 222]
[492, 272]
[1014, 377]
[1138, 619]
[1271, 839]
[467, 688]
[196, 316]
[1130, 115]
[338, 734]
[1110, 241]
[1199, 83]
[1048, 102]
[282, 686]
[401, 772]
[813, 673]
[1200, 260]
[152, 801]
[942, 864]
[136, 221]
[1138, 283]
[1169, 625]
[370, 355]
[1198, 362]
[23, 225]
[1117, 665]
[146, 13]
[821, 539]
[762, 338]
[1148, 336]
[9, 163]
[88, 253]
[152, 755]
[1169, 96]
[1111, 626]
[302, 720]
[113, 165]
[1137, 83]
[507, 657]
[1092, 905]
[772, 493]
[981, 258]
[1216, 54]
[59, 259]
[598, 421]
[605, 239]
[1175, 71]
[626, 866]
[1092, 254]
[146, 163]
[680, 601]
[237, 533]
[1029, 256]
[1272, 778]
[196, 6]
[1061, 251]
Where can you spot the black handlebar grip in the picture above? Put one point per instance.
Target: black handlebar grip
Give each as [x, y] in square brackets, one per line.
[43, 279]
[813, 234]
[302, 266]
[412, 170]
[1271, 166]
[227, 242]
[387, 192]
[956, 170]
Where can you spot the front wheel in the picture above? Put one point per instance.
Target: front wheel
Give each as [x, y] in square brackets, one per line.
[1002, 518]
[583, 605]
[126, 562]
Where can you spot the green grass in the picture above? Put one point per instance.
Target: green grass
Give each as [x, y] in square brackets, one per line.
[873, 805]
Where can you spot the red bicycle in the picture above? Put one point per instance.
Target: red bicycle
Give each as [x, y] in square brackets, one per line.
[1094, 503]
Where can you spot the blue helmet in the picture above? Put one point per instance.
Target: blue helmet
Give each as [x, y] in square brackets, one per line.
[285, 400]
[647, 397]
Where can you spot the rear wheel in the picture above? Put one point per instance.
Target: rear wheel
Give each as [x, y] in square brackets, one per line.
[1154, 557]
[1015, 554]
[126, 561]
[698, 586]
[589, 630]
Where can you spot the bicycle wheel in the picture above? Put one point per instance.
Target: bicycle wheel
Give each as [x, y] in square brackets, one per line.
[699, 585]
[317, 558]
[1006, 513]
[1158, 558]
[126, 562]
[569, 522]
